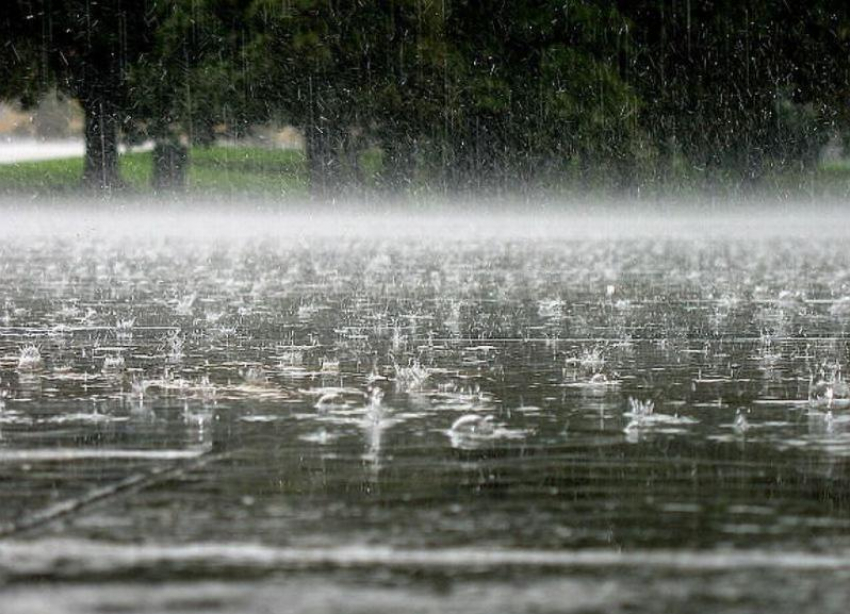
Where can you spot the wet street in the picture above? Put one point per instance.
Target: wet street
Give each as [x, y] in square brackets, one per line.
[346, 423]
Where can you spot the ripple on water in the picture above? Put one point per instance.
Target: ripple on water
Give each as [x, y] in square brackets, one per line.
[505, 367]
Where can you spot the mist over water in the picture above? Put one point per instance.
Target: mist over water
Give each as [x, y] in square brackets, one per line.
[442, 411]
[432, 219]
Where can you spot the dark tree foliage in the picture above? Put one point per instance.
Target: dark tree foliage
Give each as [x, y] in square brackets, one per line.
[740, 87]
[534, 87]
[19, 59]
[464, 94]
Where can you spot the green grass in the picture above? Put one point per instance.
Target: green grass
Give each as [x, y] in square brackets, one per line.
[49, 176]
[270, 172]
[828, 181]
[213, 170]
[276, 173]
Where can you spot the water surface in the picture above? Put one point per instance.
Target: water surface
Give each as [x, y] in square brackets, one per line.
[363, 422]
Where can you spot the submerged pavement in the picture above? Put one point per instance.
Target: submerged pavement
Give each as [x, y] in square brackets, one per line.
[245, 423]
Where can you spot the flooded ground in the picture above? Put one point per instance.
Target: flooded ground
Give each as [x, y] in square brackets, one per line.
[469, 422]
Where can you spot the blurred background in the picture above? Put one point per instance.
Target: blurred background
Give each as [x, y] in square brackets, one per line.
[643, 98]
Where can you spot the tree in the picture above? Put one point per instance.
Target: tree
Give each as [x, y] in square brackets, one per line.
[21, 76]
[193, 78]
[84, 49]
[313, 56]
[740, 88]
[535, 88]
[465, 93]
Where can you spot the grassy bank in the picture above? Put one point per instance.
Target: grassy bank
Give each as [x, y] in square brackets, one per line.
[213, 170]
[278, 174]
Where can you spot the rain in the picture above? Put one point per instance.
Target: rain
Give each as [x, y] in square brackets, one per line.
[428, 306]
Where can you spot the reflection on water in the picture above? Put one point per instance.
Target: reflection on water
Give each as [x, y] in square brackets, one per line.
[426, 404]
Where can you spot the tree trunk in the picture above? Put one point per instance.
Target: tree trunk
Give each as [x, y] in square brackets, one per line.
[170, 163]
[323, 162]
[101, 133]
[399, 166]
[626, 166]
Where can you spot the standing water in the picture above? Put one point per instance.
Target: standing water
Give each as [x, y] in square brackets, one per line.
[378, 416]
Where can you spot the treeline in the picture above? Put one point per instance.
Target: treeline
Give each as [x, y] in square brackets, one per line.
[450, 94]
